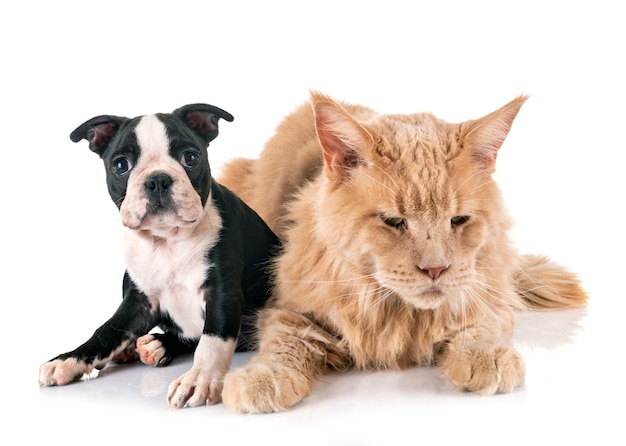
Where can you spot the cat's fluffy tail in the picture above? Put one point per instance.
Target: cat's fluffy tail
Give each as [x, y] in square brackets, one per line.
[544, 284]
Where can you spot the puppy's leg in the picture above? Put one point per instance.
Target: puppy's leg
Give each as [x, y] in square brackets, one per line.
[224, 307]
[158, 349]
[203, 383]
[112, 340]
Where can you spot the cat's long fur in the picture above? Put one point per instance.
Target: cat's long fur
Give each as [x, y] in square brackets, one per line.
[396, 252]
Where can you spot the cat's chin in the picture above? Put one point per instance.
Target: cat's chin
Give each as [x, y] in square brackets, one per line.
[427, 300]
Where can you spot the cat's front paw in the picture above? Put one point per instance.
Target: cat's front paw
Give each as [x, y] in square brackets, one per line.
[197, 387]
[263, 388]
[485, 371]
[60, 372]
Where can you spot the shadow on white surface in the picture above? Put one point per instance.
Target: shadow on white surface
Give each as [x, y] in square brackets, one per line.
[360, 408]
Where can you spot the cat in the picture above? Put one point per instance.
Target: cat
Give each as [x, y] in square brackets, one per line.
[396, 252]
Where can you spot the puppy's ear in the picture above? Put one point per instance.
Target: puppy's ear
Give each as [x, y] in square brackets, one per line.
[202, 119]
[98, 131]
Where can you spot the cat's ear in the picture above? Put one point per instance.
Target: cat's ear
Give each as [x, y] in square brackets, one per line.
[343, 139]
[483, 137]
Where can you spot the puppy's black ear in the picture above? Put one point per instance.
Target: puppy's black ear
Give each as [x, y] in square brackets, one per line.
[98, 131]
[203, 118]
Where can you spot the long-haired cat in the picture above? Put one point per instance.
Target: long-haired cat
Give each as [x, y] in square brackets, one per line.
[396, 252]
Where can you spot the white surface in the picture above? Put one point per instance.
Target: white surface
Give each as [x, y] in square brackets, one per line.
[561, 172]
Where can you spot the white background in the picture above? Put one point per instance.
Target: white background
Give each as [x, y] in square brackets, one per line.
[561, 171]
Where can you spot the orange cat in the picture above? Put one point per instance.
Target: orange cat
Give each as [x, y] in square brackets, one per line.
[396, 252]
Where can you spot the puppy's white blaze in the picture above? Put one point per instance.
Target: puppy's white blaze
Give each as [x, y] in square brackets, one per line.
[152, 137]
[213, 354]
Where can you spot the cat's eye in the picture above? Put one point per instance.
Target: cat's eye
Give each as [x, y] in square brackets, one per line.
[394, 222]
[459, 220]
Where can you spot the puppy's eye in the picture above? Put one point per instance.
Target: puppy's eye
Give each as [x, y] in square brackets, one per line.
[121, 166]
[394, 222]
[458, 220]
[189, 159]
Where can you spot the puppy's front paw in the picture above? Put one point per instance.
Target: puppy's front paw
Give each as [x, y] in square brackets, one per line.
[263, 388]
[195, 388]
[151, 350]
[485, 371]
[59, 372]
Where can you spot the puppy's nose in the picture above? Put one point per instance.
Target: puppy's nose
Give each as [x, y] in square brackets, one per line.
[158, 184]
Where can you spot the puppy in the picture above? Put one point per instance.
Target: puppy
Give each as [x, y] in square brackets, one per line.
[196, 256]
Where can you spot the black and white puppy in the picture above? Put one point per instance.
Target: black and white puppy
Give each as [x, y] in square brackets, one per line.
[196, 256]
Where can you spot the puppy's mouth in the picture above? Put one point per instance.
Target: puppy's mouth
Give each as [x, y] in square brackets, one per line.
[158, 210]
[159, 217]
[161, 203]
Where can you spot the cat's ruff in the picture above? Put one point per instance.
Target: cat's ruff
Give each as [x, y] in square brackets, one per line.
[396, 252]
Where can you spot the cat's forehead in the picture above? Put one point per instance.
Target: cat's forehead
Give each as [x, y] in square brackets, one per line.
[416, 151]
[416, 138]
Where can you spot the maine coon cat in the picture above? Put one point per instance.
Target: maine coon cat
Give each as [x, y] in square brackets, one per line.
[396, 252]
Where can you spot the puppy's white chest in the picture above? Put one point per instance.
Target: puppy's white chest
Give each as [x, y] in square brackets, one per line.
[172, 275]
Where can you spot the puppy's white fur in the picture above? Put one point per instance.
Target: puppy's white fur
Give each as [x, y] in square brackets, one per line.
[172, 271]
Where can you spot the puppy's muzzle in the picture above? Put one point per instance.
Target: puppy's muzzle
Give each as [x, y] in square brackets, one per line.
[158, 188]
[162, 200]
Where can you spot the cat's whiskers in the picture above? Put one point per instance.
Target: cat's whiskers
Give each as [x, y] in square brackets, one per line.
[478, 305]
[464, 309]
[473, 175]
[492, 268]
[468, 307]
[352, 279]
[391, 178]
[510, 295]
[475, 189]
[565, 331]
[360, 172]
[374, 298]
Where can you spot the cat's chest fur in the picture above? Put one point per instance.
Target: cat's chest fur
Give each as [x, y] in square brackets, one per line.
[380, 330]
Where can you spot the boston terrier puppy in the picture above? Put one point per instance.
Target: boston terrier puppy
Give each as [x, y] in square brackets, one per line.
[197, 258]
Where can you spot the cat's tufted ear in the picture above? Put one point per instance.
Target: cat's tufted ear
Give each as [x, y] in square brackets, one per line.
[342, 138]
[483, 137]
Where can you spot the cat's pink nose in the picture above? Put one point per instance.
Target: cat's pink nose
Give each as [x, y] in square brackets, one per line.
[433, 271]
